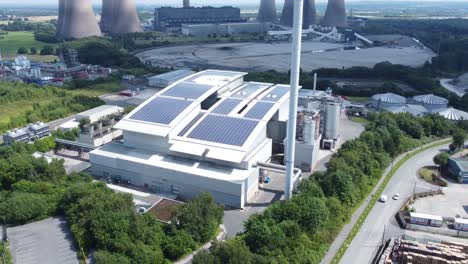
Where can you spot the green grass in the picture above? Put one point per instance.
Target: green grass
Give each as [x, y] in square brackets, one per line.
[337, 258]
[10, 43]
[5, 254]
[426, 174]
[359, 119]
[355, 99]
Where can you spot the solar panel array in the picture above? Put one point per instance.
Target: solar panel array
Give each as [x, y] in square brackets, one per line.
[276, 94]
[259, 110]
[190, 125]
[161, 110]
[187, 90]
[224, 130]
[226, 106]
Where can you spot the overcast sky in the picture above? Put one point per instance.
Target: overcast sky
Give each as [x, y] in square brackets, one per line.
[195, 2]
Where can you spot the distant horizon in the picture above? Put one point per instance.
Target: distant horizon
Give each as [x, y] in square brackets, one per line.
[21, 3]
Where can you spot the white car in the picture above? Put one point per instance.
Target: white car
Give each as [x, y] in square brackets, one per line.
[396, 196]
[383, 198]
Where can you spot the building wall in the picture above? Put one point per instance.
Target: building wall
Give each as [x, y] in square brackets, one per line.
[222, 29]
[456, 171]
[187, 185]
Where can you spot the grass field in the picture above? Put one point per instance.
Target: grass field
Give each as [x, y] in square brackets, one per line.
[10, 43]
[361, 100]
[19, 108]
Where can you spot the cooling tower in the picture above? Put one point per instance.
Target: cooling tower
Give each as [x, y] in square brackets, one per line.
[120, 16]
[335, 15]
[76, 19]
[186, 3]
[267, 11]
[309, 13]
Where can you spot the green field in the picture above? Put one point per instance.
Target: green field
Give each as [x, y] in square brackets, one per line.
[10, 43]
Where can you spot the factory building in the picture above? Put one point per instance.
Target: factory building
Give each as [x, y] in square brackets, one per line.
[207, 132]
[226, 28]
[166, 79]
[172, 19]
[30, 133]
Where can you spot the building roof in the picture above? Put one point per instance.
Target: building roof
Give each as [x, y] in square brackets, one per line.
[389, 98]
[453, 114]
[173, 75]
[461, 221]
[426, 216]
[430, 99]
[415, 110]
[462, 163]
[98, 112]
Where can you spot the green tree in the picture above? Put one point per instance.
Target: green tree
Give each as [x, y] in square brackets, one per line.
[442, 160]
[33, 50]
[459, 138]
[22, 50]
[47, 50]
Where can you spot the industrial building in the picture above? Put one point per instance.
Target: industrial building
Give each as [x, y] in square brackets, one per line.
[30, 133]
[166, 79]
[97, 125]
[458, 167]
[226, 28]
[431, 102]
[172, 19]
[210, 131]
[383, 101]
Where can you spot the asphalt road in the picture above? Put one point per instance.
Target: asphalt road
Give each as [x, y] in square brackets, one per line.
[381, 224]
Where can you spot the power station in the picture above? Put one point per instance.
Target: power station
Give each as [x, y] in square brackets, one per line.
[77, 19]
[309, 13]
[335, 15]
[267, 11]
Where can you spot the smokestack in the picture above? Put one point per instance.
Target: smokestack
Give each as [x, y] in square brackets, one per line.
[120, 16]
[186, 3]
[335, 15]
[267, 11]
[293, 98]
[76, 20]
[308, 17]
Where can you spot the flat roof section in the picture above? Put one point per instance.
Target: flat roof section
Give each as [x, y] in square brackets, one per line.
[161, 110]
[187, 90]
[224, 130]
[251, 90]
[259, 110]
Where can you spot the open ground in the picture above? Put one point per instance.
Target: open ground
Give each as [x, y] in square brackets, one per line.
[258, 56]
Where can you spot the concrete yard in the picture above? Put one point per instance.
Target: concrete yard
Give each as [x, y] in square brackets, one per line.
[454, 202]
[47, 241]
[257, 56]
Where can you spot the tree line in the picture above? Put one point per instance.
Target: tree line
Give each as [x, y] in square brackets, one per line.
[102, 222]
[300, 230]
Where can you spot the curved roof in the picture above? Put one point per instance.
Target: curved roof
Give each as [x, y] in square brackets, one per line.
[454, 114]
[390, 98]
[430, 99]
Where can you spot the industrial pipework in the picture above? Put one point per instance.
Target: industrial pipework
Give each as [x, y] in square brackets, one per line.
[293, 97]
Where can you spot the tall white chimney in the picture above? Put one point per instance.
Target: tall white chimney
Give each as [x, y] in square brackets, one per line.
[293, 98]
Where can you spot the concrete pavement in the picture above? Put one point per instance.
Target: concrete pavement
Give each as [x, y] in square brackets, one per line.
[380, 223]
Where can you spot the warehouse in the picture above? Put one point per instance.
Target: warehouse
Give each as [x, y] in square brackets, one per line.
[458, 167]
[207, 132]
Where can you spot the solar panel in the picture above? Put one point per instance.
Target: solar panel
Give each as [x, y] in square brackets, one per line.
[161, 110]
[226, 106]
[276, 94]
[250, 89]
[259, 110]
[190, 125]
[224, 130]
[187, 90]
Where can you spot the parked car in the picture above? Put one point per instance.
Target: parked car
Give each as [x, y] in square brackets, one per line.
[396, 196]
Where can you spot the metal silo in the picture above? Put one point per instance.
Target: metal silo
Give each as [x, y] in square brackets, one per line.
[309, 130]
[332, 120]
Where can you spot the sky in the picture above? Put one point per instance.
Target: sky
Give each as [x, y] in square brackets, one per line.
[195, 2]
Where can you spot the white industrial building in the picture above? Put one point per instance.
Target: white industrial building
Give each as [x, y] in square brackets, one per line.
[225, 28]
[211, 132]
[30, 133]
[97, 128]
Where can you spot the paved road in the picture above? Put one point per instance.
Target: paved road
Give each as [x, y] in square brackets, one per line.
[363, 248]
[447, 85]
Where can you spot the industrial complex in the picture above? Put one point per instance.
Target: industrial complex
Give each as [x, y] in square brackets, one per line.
[211, 131]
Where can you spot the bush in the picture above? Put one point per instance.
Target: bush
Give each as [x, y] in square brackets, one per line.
[47, 50]
[21, 208]
[22, 50]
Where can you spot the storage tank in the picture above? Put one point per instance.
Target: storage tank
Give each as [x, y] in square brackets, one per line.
[383, 101]
[432, 102]
[309, 130]
[332, 120]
